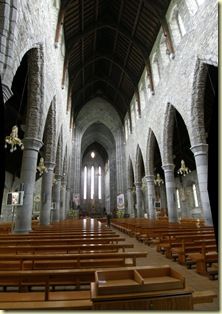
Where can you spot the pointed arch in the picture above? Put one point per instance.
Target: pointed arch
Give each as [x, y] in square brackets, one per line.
[130, 173]
[197, 109]
[50, 133]
[58, 167]
[139, 167]
[151, 141]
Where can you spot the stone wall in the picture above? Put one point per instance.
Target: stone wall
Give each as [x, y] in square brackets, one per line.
[181, 84]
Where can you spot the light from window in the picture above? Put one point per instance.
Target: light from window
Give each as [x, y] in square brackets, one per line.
[99, 184]
[181, 25]
[85, 183]
[195, 196]
[178, 198]
[92, 155]
[126, 129]
[92, 182]
[142, 98]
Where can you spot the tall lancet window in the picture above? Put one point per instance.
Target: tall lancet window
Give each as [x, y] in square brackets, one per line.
[92, 182]
[99, 184]
[178, 198]
[85, 184]
[195, 196]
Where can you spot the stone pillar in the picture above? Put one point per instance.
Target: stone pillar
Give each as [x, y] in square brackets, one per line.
[201, 158]
[57, 189]
[63, 200]
[151, 196]
[46, 193]
[23, 220]
[130, 202]
[170, 192]
[139, 199]
[68, 207]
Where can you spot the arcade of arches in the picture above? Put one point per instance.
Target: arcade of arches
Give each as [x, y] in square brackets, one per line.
[135, 83]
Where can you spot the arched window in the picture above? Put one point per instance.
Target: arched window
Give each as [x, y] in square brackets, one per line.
[92, 182]
[147, 90]
[99, 184]
[126, 129]
[164, 54]
[181, 24]
[133, 117]
[156, 70]
[195, 196]
[177, 26]
[85, 184]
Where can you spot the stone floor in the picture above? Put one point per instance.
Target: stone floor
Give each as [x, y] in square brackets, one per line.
[193, 280]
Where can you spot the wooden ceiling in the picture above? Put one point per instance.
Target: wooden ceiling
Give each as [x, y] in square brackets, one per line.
[108, 43]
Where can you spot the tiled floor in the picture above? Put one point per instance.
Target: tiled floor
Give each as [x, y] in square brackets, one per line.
[193, 280]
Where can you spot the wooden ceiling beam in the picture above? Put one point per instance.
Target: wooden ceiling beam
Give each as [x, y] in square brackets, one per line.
[142, 50]
[107, 81]
[155, 7]
[132, 35]
[117, 33]
[111, 60]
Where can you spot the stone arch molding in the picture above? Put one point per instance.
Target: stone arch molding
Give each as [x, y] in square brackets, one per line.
[35, 109]
[139, 161]
[198, 91]
[98, 110]
[167, 143]
[130, 172]
[50, 129]
[59, 154]
[149, 165]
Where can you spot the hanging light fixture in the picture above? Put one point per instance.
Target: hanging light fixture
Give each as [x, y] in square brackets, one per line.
[183, 169]
[13, 140]
[41, 167]
[158, 180]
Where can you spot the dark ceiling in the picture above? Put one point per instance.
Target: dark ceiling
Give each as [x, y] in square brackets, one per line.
[107, 45]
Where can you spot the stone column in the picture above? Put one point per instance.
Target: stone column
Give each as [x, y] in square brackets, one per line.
[130, 202]
[170, 191]
[139, 199]
[68, 207]
[57, 189]
[23, 220]
[201, 158]
[46, 193]
[151, 196]
[63, 200]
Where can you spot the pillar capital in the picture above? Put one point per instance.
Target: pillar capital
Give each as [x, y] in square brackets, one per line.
[149, 178]
[199, 149]
[138, 184]
[32, 143]
[50, 165]
[129, 189]
[168, 167]
[58, 177]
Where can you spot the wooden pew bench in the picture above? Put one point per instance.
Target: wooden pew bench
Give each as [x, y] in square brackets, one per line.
[181, 253]
[75, 248]
[202, 260]
[61, 261]
[64, 241]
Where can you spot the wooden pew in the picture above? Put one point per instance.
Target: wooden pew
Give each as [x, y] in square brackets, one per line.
[202, 259]
[160, 283]
[64, 241]
[61, 261]
[75, 248]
